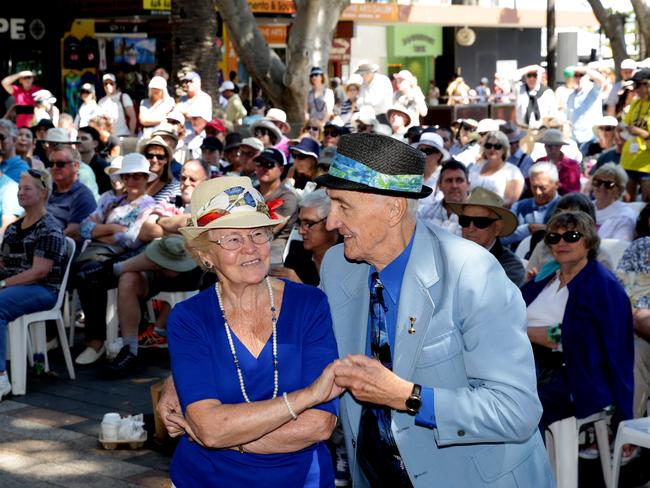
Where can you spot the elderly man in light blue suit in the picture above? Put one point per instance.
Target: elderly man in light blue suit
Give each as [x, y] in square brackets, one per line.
[450, 397]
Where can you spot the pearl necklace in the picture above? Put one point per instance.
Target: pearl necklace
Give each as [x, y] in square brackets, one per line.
[226, 325]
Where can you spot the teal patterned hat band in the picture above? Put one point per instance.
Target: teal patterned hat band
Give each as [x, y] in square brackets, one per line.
[351, 170]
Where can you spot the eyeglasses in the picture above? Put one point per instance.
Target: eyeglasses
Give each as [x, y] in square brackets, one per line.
[331, 133]
[312, 128]
[308, 225]
[569, 237]
[60, 163]
[606, 128]
[262, 132]
[159, 157]
[133, 176]
[34, 173]
[479, 222]
[608, 185]
[489, 145]
[428, 150]
[265, 164]
[236, 241]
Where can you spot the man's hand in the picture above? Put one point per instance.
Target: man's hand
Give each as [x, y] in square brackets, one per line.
[169, 405]
[535, 227]
[369, 381]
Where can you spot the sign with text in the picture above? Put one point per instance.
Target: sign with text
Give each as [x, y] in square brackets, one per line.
[415, 40]
[157, 4]
[274, 34]
[340, 50]
[371, 12]
[272, 6]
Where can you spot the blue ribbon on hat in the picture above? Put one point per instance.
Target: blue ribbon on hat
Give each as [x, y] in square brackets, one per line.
[352, 170]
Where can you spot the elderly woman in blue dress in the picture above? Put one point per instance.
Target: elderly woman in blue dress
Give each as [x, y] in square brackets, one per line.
[249, 356]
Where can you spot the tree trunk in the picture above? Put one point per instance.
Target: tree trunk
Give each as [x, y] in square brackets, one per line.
[642, 12]
[310, 38]
[194, 30]
[613, 25]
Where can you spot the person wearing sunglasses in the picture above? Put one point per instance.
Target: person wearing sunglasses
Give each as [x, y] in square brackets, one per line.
[494, 173]
[484, 219]
[350, 106]
[432, 146]
[580, 325]
[34, 256]
[331, 134]
[615, 218]
[320, 99]
[22, 92]
[163, 188]
[267, 132]
[269, 166]
[270, 402]
[114, 233]
[305, 163]
[535, 101]
[118, 106]
[635, 158]
[613, 154]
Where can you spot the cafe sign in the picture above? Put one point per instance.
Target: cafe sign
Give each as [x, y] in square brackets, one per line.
[414, 40]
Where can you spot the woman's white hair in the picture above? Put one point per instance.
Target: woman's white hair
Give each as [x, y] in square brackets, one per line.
[318, 200]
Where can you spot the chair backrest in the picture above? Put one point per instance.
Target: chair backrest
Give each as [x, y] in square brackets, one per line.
[615, 248]
[637, 206]
[523, 247]
[70, 248]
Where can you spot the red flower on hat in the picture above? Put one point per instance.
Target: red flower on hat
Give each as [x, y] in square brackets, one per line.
[273, 205]
[209, 217]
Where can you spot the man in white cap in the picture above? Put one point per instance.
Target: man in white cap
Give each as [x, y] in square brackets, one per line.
[628, 67]
[535, 101]
[235, 110]
[376, 90]
[198, 117]
[22, 93]
[119, 107]
[195, 96]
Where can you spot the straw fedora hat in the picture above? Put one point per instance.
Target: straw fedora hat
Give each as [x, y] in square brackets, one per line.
[156, 141]
[480, 197]
[229, 202]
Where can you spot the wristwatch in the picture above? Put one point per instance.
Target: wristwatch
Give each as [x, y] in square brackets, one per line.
[414, 401]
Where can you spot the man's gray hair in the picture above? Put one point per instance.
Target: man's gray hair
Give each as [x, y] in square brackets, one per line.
[10, 126]
[204, 165]
[75, 157]
[544, 167]
[318, 200]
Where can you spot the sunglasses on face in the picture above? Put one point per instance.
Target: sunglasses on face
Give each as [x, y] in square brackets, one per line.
[608, 185]
[606, 128]
[569, 237]
[133, 176]
[489, 145]
[531, 75]
[479, 222]
[331, 133]
[265, 164]
[262, 132]
[312, 128]
[428, 150]
[109, 83]
[60, 163]
[159, 157]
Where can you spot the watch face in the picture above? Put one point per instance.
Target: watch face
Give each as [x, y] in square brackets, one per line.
[413, 403]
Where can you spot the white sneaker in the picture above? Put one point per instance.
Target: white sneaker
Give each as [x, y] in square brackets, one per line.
[5, 385]
[89, 356]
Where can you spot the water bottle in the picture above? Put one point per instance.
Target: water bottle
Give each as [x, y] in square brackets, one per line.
[39, 364]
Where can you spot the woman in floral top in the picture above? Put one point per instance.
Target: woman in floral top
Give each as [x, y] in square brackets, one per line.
[634, 272]
[114, 230]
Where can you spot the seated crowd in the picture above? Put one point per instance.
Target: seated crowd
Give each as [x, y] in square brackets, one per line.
[549, 215]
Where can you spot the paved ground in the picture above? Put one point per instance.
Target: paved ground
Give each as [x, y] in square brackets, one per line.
[48, 438]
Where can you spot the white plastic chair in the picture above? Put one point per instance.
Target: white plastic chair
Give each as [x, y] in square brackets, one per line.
[637, 206]
[171, 297]
[562, 446]
[636, 432]
[615, 248]
[523, 248]
[18, 339]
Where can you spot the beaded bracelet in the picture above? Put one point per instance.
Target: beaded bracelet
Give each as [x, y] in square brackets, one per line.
[289, 407]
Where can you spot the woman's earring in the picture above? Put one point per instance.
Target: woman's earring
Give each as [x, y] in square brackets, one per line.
[207, 264]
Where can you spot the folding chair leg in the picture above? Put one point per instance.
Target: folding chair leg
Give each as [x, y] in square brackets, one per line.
[73, 315]
[602, 438]
[18, 356]
[65, 348]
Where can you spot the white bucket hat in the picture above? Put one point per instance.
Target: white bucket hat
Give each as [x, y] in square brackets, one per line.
[135, 163]
[278, 115]
[433, 140]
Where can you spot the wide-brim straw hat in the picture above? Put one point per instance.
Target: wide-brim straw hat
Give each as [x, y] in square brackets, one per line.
[374, 163]
[135, 163]
[156, 141]
[169, 252]
[553, 137]
[480, 197]
[229, 202]
[267, 124]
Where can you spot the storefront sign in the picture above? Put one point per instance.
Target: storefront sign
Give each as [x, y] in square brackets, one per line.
[272, 6]
[371, 12]
[20, 29]
[157, 4]
[419, 40]
[274, 34]
[340, 50]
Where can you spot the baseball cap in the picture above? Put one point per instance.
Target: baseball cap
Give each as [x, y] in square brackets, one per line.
[273, 155]
[212, 144]
[191, 76]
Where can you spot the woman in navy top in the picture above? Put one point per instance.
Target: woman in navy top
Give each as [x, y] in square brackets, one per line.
[249, 356]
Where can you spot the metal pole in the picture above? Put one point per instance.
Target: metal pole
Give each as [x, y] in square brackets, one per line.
[551, 43]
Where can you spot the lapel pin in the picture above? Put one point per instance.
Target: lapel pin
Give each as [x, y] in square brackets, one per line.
[412, 327]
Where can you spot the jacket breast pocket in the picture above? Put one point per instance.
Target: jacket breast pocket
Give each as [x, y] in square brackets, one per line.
[439, 349]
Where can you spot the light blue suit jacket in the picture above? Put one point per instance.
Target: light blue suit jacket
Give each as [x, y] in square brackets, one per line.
[470, 345]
